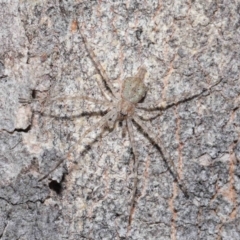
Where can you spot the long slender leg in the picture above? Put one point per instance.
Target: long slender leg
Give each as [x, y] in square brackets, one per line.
[124, 128]
[104, 90]
[135, 168]
[98, 124]
[164, 105]
[89, 99]
[82, 114]
[100, 69]
[93, 100]
[150, 118]
[164, 154]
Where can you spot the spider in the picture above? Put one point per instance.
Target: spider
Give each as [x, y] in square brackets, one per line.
[123, 107]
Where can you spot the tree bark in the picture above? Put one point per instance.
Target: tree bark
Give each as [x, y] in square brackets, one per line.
[189, 48]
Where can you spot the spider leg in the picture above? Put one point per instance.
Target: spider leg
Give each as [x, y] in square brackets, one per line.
[89, 99]
[82, 114]
[164, 105]
[101, 71]
[164, 154]
[104, 89]
[135, 168]
[150, 118]
[124, 128]
[97, 125]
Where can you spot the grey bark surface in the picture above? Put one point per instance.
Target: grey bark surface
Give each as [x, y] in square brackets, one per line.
[186, 46]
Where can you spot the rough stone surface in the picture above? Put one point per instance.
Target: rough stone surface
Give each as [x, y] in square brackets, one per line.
[186, 46]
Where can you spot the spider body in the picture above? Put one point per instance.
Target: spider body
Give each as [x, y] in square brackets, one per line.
[121, 107]
[133, 91]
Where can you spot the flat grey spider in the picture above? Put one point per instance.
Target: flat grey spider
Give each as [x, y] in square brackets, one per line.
[123, 106]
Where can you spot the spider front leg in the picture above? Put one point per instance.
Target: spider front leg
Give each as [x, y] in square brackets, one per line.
[102, 73]
[109, 120]
[89, 99]
[167, 159]
[165, 105]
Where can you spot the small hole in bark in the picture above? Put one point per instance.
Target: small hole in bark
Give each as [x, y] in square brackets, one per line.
[55, 186]
[139, 33]
[34, 94]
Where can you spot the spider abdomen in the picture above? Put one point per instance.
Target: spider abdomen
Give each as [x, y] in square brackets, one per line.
[134, 89]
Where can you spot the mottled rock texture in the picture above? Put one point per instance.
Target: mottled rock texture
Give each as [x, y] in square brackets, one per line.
[186, 47]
